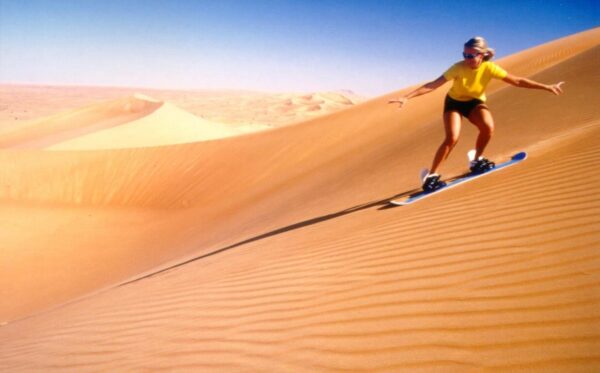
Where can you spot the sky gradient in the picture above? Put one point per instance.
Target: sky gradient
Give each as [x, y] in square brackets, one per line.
[369, 47]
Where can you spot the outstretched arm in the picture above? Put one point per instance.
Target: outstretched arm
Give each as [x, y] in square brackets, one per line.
[426, 88]
[528, 83]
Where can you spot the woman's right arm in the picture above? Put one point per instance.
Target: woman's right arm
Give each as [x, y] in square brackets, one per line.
[424, 89]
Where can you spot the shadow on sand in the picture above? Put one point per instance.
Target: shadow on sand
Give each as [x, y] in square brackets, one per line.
[383, 203]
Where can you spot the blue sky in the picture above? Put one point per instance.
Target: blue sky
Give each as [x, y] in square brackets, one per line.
[370, 47]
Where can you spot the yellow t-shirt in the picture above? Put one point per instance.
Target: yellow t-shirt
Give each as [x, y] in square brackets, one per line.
[471, 83]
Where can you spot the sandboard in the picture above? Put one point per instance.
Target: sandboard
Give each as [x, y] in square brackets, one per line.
[519, 157]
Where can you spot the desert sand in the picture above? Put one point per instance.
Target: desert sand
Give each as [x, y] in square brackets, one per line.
[276, 250]
[21, 104]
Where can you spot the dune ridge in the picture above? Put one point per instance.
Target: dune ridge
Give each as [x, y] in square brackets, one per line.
[292, 260]
[67, 125]
[130, 122]
[244, 111]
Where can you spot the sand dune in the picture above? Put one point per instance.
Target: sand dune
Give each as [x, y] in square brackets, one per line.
[166, 126]
[134, 121]
[68, 125]
[249, 111]
[275, 251]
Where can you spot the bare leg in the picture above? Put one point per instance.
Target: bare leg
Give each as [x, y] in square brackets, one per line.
[482, 118]
[452, 123]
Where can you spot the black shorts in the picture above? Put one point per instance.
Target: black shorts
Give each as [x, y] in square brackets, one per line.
[463, 107]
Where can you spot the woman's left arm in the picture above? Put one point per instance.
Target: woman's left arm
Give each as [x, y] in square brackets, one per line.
[528, 83]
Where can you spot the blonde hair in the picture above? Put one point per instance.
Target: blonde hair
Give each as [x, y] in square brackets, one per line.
[479, 44]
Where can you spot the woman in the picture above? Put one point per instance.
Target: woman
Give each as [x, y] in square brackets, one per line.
[467, 99]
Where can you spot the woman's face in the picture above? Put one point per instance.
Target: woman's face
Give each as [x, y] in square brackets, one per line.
[472, 57]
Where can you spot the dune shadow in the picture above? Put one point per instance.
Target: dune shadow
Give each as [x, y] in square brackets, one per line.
[382, 203]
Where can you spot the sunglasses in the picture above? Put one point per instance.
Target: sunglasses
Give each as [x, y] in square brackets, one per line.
[470, 56]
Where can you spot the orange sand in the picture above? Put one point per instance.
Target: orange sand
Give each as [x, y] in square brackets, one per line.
[276, 251]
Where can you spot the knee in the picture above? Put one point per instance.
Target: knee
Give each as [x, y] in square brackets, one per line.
[451, 141]
[486, 124]
[488, 128]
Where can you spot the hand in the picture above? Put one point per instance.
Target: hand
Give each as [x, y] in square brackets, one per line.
[400, 101]
[555, 88]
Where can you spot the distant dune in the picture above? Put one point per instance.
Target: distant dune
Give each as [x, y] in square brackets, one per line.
[130, 242]
[135, 121]
[244, 110]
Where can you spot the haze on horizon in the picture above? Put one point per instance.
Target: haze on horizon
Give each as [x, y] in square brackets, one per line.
[369, 48]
